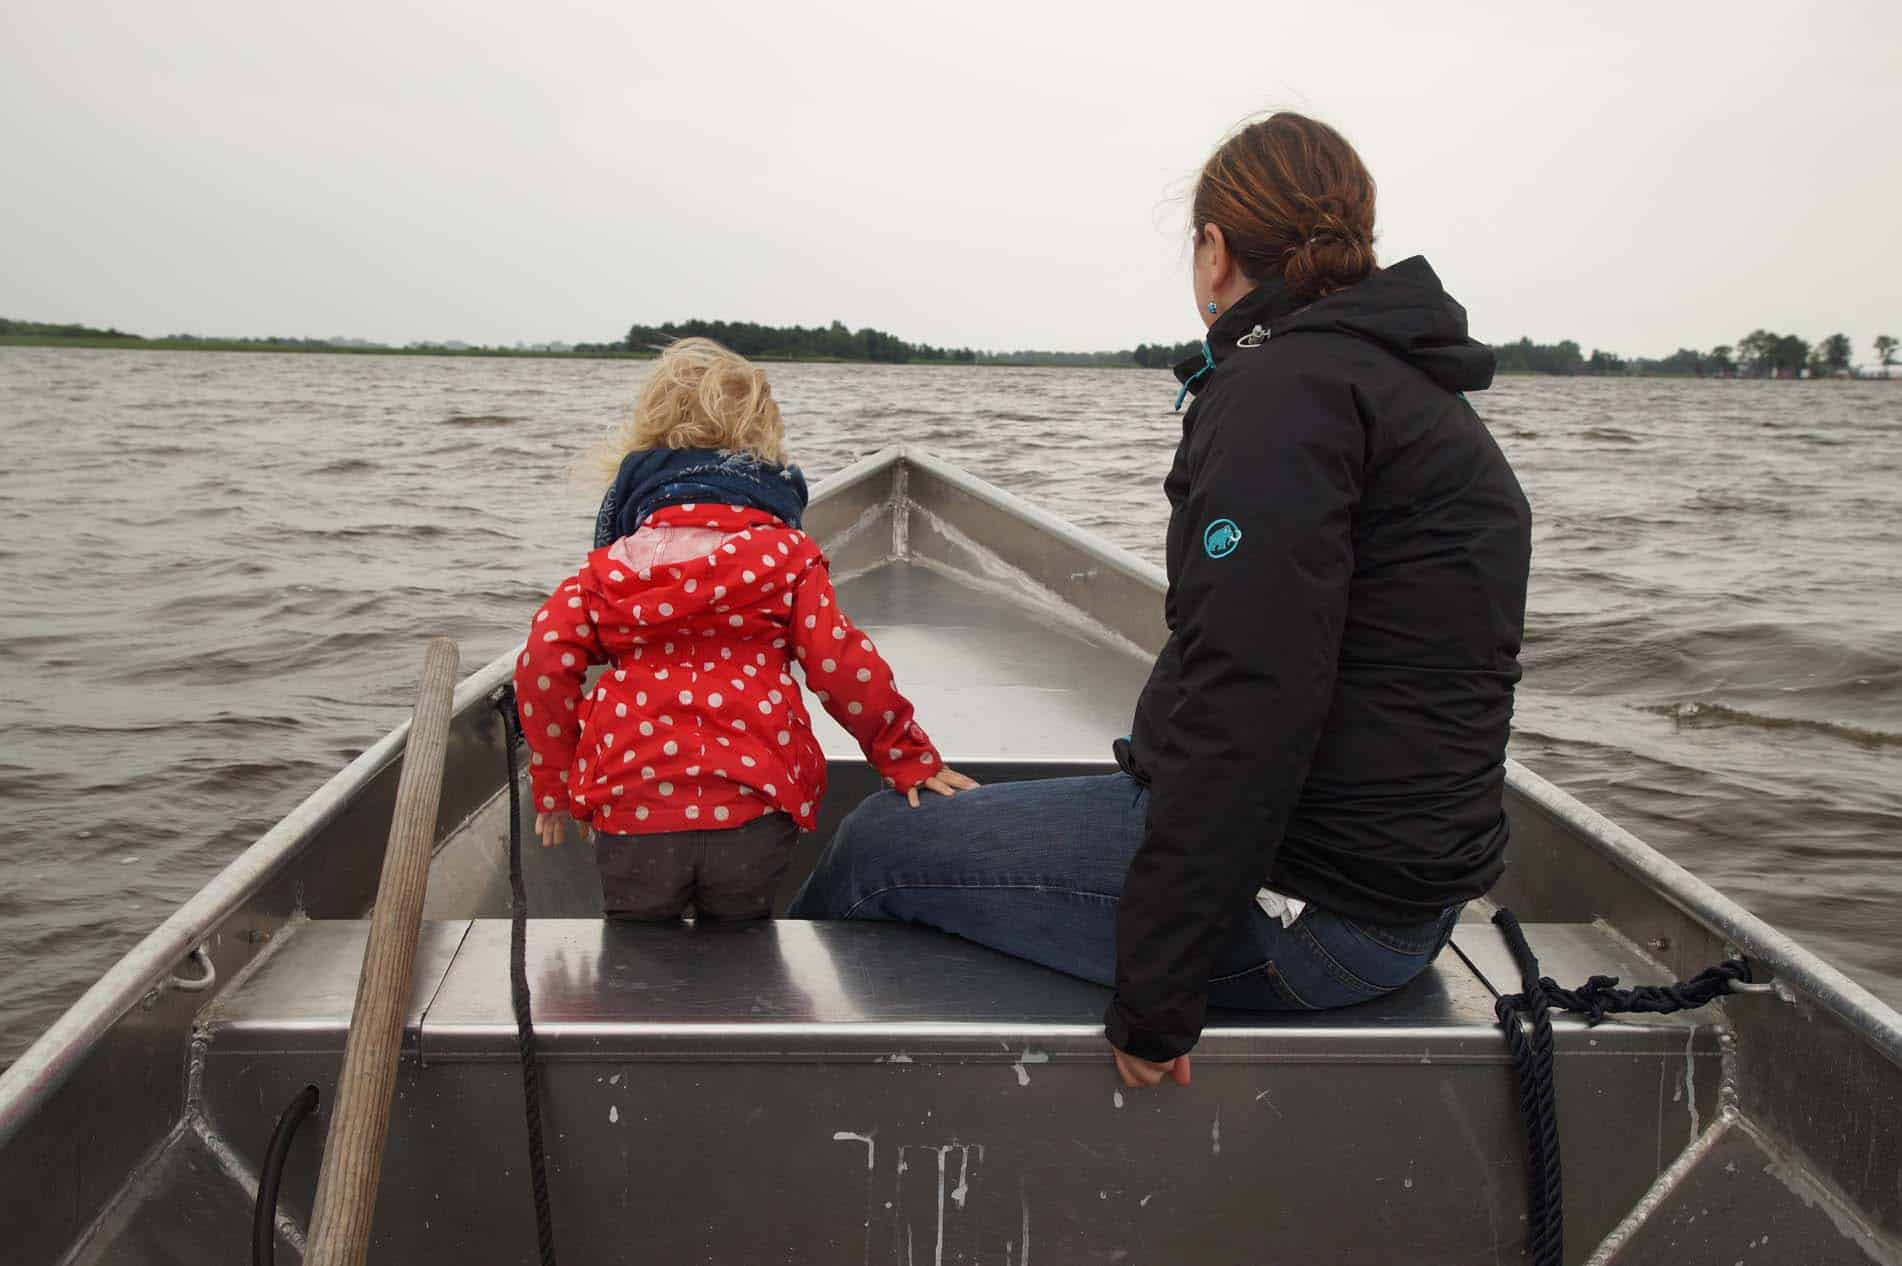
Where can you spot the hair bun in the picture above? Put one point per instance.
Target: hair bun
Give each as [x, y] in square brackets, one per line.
[1331, 258]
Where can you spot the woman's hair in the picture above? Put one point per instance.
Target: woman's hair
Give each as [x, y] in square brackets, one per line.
[699, 395]
[1293, 201]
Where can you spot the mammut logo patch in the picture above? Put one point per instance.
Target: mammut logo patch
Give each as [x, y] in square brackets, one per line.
[1221, 538]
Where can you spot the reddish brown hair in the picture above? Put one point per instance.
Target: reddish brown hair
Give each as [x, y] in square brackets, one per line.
[1294, 201]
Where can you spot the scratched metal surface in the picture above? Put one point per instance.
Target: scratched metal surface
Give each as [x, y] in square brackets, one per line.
[182, 1209]
[797, 1092]
[1743, 1200]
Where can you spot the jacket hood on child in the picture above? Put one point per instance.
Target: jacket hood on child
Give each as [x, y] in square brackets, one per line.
[698, 723]
[655, 477]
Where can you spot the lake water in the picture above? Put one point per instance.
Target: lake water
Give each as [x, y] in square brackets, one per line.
[218, 569]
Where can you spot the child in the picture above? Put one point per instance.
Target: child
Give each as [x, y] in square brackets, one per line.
[693, 757]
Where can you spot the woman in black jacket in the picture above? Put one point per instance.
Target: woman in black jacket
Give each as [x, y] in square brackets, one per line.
[1312, 785]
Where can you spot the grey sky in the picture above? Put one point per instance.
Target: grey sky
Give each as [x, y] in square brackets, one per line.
[1636, 176]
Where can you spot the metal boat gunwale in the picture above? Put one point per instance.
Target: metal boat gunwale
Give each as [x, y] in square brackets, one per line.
[1790, 964]
[1109, 554]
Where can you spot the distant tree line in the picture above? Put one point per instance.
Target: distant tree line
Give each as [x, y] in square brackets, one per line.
[272, 341]
[44, 329]
[1163, 355]
[45, 334]
[1759, 354]
[839, 342]
[795, 342]
[1143, 355]
[50, 332]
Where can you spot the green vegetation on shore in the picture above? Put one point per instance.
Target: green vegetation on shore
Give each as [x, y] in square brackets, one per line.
[1759, 354]
[41, 334]
[837, 342]
[833, 343]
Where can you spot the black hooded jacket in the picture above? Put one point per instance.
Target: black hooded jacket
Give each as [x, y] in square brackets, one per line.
[1347, 559]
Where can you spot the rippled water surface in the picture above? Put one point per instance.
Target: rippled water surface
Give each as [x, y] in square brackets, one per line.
[218, 569]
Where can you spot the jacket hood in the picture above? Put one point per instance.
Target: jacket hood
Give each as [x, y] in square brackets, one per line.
[1402, 308]
[1406, 310]
[741, 568]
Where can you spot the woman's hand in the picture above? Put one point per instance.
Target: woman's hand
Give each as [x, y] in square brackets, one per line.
[1141, 1074]
[946, 782]
[551, 827]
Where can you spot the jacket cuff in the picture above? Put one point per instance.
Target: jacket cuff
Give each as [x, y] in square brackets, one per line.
[908, 760]
[912, 769]
[1125, 753]
[546, 787]
[1128, 1035]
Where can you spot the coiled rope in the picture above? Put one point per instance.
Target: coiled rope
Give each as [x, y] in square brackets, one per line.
[1532, 1061]
[518, 986]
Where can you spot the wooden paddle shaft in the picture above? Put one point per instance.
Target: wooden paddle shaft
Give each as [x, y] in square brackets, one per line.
[360, 1123]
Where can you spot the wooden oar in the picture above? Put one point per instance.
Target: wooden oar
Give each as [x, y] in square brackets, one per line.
[353, 1152]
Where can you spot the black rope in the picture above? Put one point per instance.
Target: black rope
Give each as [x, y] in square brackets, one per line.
[1538, 1097]
[264, 1215]
[1532, 1061]
[518, 983]
[1600, 996]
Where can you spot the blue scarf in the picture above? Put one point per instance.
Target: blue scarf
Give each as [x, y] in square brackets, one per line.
[654, 477]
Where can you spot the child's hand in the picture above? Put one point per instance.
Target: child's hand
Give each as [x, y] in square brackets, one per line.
[552, 827]
[946, 782]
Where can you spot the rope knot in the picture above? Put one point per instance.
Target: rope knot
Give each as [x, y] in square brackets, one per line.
[1533, 1063]
[1599, 996]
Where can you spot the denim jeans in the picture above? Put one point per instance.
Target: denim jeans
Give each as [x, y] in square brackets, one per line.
[1035, 869]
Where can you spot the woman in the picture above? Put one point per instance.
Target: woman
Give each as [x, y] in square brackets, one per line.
[1312, 786]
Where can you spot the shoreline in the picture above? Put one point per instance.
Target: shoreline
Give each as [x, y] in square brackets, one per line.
[1533, 373]
[500, 353]
[509, 353]
[246, 345]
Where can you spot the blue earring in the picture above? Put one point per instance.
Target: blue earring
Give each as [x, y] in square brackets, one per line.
[1211, 307]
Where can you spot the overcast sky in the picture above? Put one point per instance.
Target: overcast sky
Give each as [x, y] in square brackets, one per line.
[1635, 176]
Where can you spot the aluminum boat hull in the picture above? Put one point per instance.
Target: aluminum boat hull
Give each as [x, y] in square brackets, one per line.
[794, 1092]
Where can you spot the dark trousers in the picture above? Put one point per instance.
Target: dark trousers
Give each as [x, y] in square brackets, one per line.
[725, 874]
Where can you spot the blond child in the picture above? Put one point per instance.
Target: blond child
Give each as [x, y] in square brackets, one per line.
[693, 757]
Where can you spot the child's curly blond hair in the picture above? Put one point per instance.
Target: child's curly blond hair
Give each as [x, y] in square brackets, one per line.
[699, 395]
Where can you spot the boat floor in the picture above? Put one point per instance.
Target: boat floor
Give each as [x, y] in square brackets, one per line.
[993, 674]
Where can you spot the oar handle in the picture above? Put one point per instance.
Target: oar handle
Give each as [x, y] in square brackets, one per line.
[360, 1124]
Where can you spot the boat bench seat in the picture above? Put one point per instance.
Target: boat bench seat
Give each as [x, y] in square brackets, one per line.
[602, 986]
[875, 1086]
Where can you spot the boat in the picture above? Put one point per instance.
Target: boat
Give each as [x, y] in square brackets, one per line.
[796, 1092]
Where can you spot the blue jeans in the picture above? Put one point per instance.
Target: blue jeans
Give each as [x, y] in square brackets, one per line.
[1035, 869]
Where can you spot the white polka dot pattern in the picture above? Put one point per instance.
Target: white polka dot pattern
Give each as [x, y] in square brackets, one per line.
[686, 615]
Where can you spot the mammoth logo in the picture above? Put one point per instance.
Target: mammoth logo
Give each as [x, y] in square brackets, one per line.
[1221, 538]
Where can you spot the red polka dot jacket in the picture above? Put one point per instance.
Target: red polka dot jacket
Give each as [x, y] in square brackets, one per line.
[698, 724]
